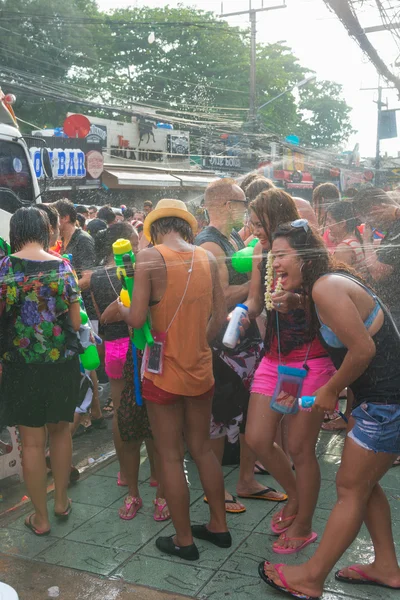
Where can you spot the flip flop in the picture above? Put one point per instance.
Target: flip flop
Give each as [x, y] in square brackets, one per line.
[259, 470]
[119, 481]
[396, 462]
[153, 484]
[31, 526]
[263, 495]
[279, 518]
[330, 425]
[129, 503]
[306, 542]
[108, 409]
[232, 511]
[160, 504]
[64, 515]
[284, 587]
[367, 580]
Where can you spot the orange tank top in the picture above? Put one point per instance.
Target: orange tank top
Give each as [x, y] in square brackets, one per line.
[187, 367]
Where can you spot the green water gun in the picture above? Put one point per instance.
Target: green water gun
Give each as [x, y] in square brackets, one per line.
[125, 261]
[242, 261]
[5, 249]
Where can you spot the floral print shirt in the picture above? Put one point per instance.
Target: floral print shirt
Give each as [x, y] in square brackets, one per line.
[36, 296]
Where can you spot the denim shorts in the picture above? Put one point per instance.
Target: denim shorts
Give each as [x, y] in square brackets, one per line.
[377, 427]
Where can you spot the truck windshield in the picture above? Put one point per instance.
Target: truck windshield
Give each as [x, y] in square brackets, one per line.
[14, 170]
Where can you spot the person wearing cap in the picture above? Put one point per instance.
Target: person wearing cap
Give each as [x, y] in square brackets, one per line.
[178, 382]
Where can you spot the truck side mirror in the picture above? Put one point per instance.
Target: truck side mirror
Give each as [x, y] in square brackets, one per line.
[46, 163]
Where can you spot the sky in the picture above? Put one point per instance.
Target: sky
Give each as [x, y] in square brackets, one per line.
[322, 44]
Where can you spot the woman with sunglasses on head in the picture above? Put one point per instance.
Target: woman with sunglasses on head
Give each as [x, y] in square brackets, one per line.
[288, 342]
[359, 334]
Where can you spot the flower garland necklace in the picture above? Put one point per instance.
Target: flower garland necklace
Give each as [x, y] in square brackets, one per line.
[269, 279]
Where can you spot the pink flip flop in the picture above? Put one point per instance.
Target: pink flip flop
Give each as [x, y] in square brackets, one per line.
[130, 502]
[153, 484]
[160, 504]
[306, 541]
[279, 518]
[284, 587]
[119, 481]
[366, 579]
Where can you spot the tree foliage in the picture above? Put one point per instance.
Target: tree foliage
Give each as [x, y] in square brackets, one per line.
[198, 66]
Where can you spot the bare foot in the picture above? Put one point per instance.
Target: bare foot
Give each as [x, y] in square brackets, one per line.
[334, 425]
[386, 578]
[297, 579]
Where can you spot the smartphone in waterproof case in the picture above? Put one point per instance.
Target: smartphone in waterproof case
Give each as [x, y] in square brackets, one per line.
[155, 354]
[288, 390]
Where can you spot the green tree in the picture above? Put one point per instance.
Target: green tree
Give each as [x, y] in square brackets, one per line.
[41, 43]
[325, 116]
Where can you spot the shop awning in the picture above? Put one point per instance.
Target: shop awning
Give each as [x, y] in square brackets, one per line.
[150, 179]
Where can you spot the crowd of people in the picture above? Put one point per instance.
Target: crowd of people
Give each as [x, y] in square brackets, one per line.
[323, 312]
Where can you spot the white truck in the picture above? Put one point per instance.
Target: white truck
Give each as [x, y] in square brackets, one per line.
[18, 182]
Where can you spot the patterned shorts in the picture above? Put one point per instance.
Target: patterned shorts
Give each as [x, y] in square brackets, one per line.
[133, 422]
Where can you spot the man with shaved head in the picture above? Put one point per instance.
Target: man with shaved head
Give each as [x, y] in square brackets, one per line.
[226, 205]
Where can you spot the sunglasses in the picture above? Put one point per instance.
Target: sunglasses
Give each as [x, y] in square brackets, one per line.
[300, 224]
[245, 202]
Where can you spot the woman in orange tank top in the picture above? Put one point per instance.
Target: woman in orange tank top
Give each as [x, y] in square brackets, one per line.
[180, 284]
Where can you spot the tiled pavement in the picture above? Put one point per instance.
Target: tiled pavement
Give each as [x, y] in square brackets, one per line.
[95, 540]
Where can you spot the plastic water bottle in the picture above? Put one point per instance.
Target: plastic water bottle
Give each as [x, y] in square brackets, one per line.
[307, 401]
[232, 334]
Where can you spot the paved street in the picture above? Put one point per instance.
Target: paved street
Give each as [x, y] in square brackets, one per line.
[95, 541]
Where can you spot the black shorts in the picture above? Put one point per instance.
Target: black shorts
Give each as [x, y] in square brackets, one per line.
[34, 395]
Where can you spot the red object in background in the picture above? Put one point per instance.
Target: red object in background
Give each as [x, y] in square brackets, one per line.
[76, 126]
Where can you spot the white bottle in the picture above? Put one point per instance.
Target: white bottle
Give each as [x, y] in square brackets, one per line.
[232, 334]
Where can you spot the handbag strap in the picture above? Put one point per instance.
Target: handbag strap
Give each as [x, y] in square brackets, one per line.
[184, 293]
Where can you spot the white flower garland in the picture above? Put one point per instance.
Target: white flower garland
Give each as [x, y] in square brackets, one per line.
[269, 280]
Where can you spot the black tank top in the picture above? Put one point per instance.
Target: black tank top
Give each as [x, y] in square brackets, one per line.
[211, 234]
[380, 382]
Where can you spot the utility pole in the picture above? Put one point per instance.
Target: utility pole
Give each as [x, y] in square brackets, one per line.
[378, 139]
[252, 13]
[380, 105]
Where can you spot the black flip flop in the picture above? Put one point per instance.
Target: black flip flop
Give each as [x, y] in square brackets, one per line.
[64, 515]
[261, 495]
[31, 526]
[260, 470]
[282, 588]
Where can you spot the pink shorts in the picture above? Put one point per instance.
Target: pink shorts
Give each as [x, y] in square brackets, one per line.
[116, 351]
[266, 376]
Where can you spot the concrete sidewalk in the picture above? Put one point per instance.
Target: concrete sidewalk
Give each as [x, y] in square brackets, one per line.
[95, 543]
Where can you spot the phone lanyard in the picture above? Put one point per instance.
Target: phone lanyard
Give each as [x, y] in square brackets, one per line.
[279, 345]
[184, 293]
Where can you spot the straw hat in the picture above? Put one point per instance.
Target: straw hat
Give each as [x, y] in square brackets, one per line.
[169, 208]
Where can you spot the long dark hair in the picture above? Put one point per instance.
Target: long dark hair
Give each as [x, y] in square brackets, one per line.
[29, 225]
[344, 212]
[272, 208]
[317, 261]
